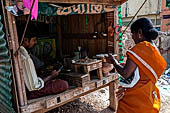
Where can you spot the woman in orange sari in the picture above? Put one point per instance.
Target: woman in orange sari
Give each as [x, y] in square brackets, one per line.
[143, 68]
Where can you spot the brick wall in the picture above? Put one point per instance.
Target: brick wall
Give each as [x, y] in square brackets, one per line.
[165, 14]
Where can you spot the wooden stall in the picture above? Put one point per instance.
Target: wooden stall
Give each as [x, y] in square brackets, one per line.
[70, 32]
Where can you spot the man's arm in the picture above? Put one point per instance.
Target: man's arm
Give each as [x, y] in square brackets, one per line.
[53, 75]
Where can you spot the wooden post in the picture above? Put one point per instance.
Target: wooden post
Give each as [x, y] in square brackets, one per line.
[113, 98]
[99, 73]
[16, 59]
[110, 28]
[116, 46]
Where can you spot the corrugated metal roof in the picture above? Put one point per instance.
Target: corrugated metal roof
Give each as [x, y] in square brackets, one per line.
[5, 76]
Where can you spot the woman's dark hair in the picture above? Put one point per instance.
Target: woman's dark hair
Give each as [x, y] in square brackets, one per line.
[147, 28]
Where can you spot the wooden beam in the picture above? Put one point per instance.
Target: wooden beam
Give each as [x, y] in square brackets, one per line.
[83, 1]
[112, 92]
[47, 103]
[13, 37]
[110, 2]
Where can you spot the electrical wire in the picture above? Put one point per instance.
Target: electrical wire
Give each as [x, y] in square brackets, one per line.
[132, 19]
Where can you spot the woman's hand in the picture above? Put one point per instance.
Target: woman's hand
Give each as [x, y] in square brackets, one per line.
[120, 93]
[111, 59]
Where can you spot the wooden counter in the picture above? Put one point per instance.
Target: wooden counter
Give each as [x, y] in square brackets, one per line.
[47, 103]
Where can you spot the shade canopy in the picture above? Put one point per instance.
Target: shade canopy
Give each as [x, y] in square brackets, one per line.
[108, 2]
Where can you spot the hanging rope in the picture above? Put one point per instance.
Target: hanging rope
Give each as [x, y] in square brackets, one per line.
[28, 19]
[133, 18]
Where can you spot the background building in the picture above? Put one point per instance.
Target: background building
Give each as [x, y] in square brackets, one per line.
[165, 14]
[151, 10]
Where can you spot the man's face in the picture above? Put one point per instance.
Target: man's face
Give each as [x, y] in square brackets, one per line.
[30, 43]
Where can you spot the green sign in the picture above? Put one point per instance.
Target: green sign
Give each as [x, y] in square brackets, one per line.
[50, 10]
[168, 3]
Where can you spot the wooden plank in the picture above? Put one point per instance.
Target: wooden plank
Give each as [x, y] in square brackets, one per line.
[14, 42]
[40, 111]
[45, 110]
[100, 47]
[19, 60]
[90, 23]
[110, 25]
[59, 35]
[98, 23]
[116, 45]
[82, 24]
[110, 2]
[74, 45]
[76, 24]
[104, 46]
[65, 97]
[112, 93]
[76, 79]
[99, 73]
[91, 47]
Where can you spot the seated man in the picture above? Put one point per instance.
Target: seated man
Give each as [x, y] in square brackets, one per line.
[52, 85]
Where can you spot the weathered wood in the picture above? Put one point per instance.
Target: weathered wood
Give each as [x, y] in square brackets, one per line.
[98, 23]
[40, 111]
[116, 43]
[59, 34]
[75, 79]
[112, 93]
[82, 26]
[49, 102]
[70, 44]
[110, 2]
[110, 28]
[19, 60]
[91, 45]
[13, 35]
[90, 21]
[99, 73]
[88, 67]
[77, 34]
[9, 40]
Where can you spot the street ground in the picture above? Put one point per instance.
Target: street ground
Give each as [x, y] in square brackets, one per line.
[98, 102]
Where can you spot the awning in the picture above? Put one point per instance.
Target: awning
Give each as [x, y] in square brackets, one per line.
[109, 2]
[51, 10]
[69, 7]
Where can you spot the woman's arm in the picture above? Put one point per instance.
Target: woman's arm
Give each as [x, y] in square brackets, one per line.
[125, 71]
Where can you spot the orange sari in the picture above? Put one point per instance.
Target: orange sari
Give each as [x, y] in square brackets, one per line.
[144, 97]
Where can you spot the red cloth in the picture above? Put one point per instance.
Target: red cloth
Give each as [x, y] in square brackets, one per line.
[51, 87]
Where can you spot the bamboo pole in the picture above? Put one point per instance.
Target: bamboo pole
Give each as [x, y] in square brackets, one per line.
[20, 86]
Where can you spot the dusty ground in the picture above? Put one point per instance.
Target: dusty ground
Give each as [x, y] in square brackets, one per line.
[165, 104]
[98, 102]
